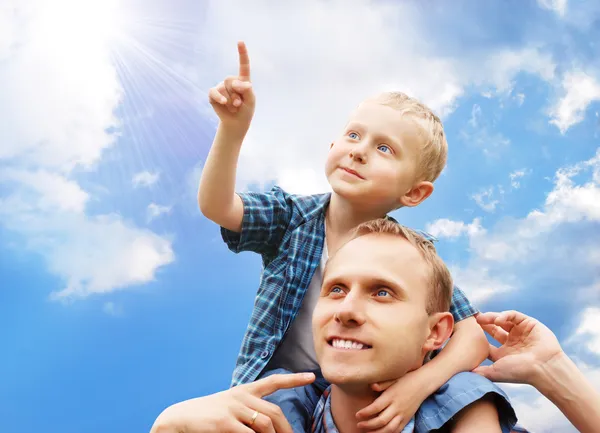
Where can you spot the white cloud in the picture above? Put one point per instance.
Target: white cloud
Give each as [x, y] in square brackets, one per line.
[520, 98]
[590, 329]
[337, 69]
[550, 244]
[112, 309]
[579, 91]
[557, 6]
[145, 178]
[485, 201]
[515, 177]
[478, 283]
[445, 228]
[59, 91]
[479, 132]
[155, 210]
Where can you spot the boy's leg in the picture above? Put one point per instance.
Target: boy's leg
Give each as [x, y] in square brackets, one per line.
[459, 393]
[298, 404]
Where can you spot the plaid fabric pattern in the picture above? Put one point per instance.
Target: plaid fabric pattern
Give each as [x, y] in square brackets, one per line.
[288, 232]
[322, 421]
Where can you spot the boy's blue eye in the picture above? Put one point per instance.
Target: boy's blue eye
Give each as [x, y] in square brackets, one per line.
[382, 293]
[353, 135]
[336, 289]
[384, 148]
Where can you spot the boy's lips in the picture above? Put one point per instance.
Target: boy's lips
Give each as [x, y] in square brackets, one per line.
[353, 172]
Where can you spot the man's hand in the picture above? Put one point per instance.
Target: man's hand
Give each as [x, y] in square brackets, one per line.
[233, 99]
[526, 345]
[395, 407]
[232, 410]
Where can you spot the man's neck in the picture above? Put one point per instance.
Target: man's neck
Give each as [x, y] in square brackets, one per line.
[342, 217]
[345, 405]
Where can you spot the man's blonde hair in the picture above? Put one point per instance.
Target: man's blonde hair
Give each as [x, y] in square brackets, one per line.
[434, 153]
[441, 285]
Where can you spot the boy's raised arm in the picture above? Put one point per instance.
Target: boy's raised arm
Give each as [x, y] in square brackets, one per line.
[233, 101]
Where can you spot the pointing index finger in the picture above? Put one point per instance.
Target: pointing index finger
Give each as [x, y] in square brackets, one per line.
[268, 385]
[244, 74]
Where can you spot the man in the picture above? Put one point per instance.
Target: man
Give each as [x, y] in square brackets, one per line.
[383, 307]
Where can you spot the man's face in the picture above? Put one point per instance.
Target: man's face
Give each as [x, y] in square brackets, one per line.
[374, 161]
[370, 323]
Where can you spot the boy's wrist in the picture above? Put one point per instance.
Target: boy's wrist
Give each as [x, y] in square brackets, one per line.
[232, 133]
[428, 380]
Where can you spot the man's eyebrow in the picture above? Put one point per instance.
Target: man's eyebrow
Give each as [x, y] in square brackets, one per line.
[340, 280]
[396, 287]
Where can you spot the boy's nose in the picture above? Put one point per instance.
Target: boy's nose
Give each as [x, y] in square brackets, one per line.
[358, 154]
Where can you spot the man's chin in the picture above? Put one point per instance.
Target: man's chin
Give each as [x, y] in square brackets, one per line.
[343, 377]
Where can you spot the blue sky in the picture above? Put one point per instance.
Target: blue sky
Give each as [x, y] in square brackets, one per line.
[118, 298]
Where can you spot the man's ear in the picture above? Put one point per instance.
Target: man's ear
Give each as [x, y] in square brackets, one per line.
[331, 145]
[440, 329]
[417, 194]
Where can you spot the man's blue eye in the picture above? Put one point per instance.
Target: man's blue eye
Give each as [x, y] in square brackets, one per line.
[384, 148]
[384, 292]
[336, 290]
[353, 135]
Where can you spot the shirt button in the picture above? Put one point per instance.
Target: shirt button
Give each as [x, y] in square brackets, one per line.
[264, 354]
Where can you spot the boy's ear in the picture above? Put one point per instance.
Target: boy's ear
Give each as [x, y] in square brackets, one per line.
[417, 194]
[331, 145]
[441, 326]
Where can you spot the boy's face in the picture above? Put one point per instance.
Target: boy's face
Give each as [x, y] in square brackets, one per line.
[375, 291]
[375, 160]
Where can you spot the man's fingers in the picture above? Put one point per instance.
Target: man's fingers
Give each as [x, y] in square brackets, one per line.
[270, 418]
[497, 333]
[489, 372]
[494, 353]
[486, 318]
[244, 62]
[270, 384]
[509, 319]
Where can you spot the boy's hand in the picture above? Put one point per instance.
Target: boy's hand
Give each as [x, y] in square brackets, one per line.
[394, 408]
[233, 99]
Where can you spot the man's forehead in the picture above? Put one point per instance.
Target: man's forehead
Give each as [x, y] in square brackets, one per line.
[376, 251]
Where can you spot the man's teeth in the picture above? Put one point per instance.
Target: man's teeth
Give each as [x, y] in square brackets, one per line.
[347, 344]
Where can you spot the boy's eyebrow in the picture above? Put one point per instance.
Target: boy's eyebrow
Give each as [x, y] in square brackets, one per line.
[387, 139]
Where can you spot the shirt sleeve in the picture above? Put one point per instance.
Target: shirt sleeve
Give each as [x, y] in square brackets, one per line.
[461, 308]
[265, 221]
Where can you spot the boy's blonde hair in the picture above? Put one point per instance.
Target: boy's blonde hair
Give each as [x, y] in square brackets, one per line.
[434, 153]
[441, 285]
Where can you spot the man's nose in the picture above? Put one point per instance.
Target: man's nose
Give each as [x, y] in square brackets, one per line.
[349, 312]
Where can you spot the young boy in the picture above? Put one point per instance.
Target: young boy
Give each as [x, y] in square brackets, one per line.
[390, 152]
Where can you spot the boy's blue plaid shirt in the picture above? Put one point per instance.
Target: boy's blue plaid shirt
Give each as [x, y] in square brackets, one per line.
[288, 232]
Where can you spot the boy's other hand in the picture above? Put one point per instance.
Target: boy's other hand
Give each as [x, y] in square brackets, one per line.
[233, 99]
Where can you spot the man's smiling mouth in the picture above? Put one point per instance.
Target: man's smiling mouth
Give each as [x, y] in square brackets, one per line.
[340, 343]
